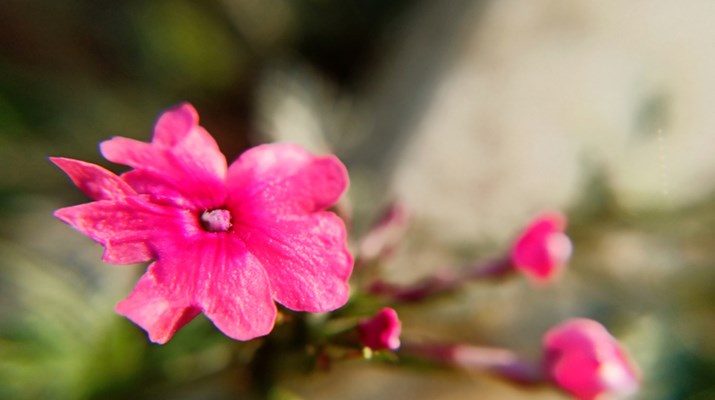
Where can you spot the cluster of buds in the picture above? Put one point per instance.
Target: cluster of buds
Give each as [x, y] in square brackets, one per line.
[579, 355]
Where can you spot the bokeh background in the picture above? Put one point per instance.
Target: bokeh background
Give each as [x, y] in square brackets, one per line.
[474, 114]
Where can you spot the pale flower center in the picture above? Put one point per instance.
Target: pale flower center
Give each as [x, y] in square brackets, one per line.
[217, 220]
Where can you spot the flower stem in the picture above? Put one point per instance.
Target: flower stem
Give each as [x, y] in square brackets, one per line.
[443, 281]
[502, 362]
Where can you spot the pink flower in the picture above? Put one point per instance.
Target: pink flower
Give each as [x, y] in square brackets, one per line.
[382, 331]
[542, 249]
[227, 241]
[582, 358]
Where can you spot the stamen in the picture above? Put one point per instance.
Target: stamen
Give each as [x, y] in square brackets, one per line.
[217, 220]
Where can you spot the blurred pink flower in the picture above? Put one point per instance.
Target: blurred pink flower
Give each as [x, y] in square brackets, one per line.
[382, 331]
[227, 241]
[584, 359]
[384, 236]
[542, 249]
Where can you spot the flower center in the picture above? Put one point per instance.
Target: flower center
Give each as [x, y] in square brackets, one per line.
[217, 220]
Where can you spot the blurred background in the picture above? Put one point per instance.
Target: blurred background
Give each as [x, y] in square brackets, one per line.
[474, 114]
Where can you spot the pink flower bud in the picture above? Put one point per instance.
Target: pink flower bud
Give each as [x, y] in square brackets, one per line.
[542, 249]
[382, 331]
[584, 359]
[385, 234]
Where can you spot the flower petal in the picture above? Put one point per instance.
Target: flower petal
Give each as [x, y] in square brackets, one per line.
[156, 311]
[95, 181]
[236, 293]
[285, 179]
[174, 124]
[213, 273]
[127, 228]
[176, 191]
[306, 259]
[182, 153]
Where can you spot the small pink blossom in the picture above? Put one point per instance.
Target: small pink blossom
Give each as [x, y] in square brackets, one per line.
[382, 331]
[584, 359]
[542, 249]
[383, 237]
[226, 241]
